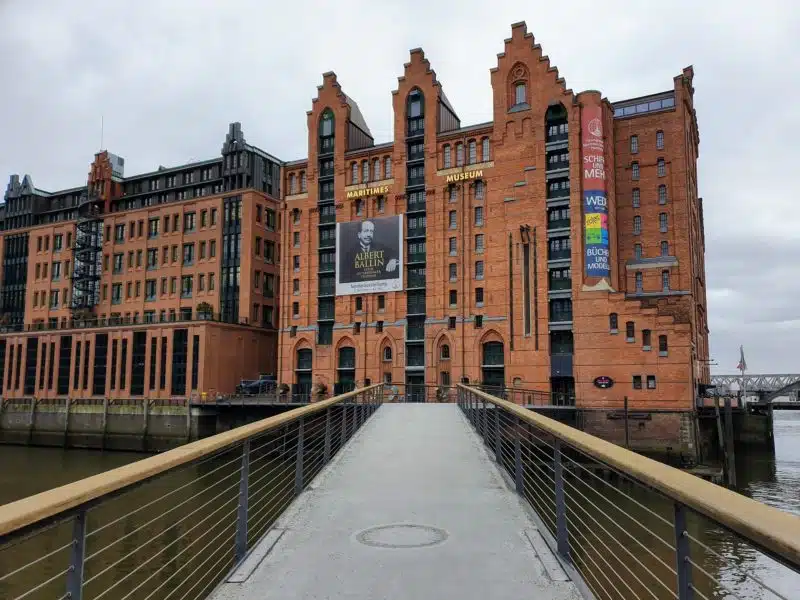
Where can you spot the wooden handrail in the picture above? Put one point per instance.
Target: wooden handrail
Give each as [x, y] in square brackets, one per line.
[28, 511]
[774, 530]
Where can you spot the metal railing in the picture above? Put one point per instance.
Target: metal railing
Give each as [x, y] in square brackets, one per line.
[631, 527]
[172, 525]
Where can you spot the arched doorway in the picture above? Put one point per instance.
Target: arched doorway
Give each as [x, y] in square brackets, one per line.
[302, 374]
[345, 371]
[493, 365]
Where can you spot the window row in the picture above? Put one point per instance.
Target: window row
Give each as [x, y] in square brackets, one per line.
[57, 269]
[661, 169]
[453, 298]
[478, 190]
[293, 183]
[472, 153]
[360, 203]
[636, 196]
[43, 242]
[206, 282]
[659, 142]
[264, 284]
[639, 281]
[478, 247]
[378, 171]
[478, 218]
[53, 299]
[637, 250]
[169, 255]
[155, 225]
[630, 334]
[663, 223]
[637, 382]
[478, 273]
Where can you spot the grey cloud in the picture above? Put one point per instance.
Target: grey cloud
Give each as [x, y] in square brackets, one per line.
[169, 76]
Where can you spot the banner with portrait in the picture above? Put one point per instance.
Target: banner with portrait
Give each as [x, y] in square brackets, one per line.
[369, 256]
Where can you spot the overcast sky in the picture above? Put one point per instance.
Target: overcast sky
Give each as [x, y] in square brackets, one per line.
[169, 76]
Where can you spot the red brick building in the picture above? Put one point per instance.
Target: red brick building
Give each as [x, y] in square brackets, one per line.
[159, 285]
[559, 243]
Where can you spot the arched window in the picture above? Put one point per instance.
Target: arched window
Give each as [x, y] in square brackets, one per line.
[365, 171]
[354, 169]
[302, 181]
[473, 152]
[376, 169]
[292, 184]
[459, 154]
[387, 353]
[485, 149]
[444, 353]
[613, 321]
[448, 158]
[387, 170]
[480, 189]
[520, 93]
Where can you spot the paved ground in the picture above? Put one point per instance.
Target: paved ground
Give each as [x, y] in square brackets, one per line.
[455, 529]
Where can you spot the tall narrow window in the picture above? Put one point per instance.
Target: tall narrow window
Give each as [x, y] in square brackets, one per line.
[637, 251]
[376, 169]
[520, 93]
[662, 194]
[646, 339]
[635, 170]
[292, 184]
[634, 144]
[365, 171]
[303, 182]
[659, 140]
[447, 157]
[635, 198]
[613, 322]
[480, 189]
[665, 281]
[387, 167]
[664, 248]
[630, 331]
[662, 167]
[485, 149]
[639, 282]
[662, 222]
[662, 345]
[473, 152]
[354, 176]
[459, 154]
[637, 225]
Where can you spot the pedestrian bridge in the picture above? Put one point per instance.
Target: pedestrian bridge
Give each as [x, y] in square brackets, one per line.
[353, 498]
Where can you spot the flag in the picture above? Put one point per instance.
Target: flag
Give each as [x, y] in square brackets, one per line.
[742, 362]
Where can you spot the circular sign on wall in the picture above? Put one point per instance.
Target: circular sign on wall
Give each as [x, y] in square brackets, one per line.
[603, 382]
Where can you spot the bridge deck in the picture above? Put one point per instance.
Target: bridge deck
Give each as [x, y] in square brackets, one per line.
[412, 464]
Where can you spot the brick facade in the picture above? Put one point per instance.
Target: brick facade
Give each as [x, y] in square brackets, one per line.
[516, 285]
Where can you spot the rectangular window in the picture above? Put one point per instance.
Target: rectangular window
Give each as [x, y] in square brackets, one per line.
[639, 282]
[269, 252]
[630, 331]
[153, 358]
[381, 302]
[453, 243]
[257, 248]
[296, 262]
[188, 254]
[478, 269]
[479, 243]
[635, 198]
[662, 345]
[64, 360]
[212, 248]
[664, 248]
[665, 281]
[635, 171]
[452, 219]
[259, 213]
[479, 296]
[359, 303]
[646, 339]
[195, 360]
[453, 271]
[296, 239]
[478, 321]
[637, 225]
[479, 216]
[634, 144]
[637, 251]
[662, 167]
[651, 382]
[295, 286]
[100, 364]
[453, 298]
[637, 382]
[295, 310]
[162, 383]
[175, 254]
[662, 194]
[180, 341]
[451, 322]
[662, 222]
[659, 140]
[187, 284]
[203, 218]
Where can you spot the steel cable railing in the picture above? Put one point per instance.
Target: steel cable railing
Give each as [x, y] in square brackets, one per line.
[628, 527]
[172, 526]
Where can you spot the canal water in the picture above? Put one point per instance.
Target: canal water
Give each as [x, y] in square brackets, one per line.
[774, 480]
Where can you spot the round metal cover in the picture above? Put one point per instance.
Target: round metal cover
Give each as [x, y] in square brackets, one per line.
[402, 536]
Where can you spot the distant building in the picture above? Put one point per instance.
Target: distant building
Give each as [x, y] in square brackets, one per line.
[558, 247]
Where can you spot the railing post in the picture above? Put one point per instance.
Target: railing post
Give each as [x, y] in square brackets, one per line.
[75, 572]
[682, 564]
[518, 458]
[344, 423]
[561, 504]
[483, 419]
[327, 450]
[298, 468]
[497, 456]
[244, 499]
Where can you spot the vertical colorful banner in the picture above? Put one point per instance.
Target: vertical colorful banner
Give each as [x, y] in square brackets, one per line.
[595, 202]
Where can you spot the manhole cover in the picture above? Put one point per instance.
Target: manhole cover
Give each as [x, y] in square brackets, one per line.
[402, 536]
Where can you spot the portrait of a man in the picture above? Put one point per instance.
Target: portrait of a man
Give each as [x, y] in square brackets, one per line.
[369, 251]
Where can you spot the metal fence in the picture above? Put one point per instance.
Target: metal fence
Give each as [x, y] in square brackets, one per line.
[172, 525]
[630, 527]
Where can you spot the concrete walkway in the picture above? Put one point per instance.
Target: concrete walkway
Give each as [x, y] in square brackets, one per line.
[455, 530]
